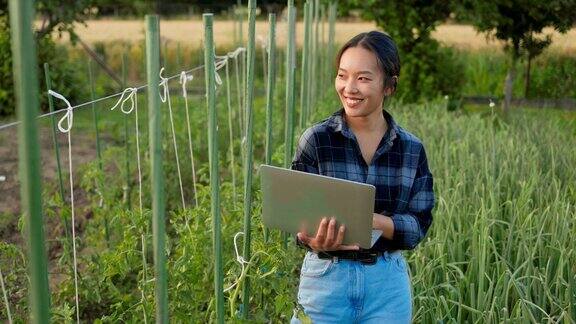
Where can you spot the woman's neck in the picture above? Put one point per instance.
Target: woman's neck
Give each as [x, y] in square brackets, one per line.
[373, 123]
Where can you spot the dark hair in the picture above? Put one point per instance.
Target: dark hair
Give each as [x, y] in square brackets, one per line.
[386, 53]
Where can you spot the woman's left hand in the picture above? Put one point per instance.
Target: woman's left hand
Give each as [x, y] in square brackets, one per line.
[385, 224]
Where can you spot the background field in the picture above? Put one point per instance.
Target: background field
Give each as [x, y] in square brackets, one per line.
[189, 31]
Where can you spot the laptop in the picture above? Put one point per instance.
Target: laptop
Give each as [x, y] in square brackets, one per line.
[295, 201]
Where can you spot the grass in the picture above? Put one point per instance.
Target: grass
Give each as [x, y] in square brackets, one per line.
[500, 247]
[552, 74]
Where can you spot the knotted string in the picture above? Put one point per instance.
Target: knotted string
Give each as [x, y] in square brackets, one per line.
[166, 97]
[183, 79]
[127, 95]
[69, 118]
[239, 258]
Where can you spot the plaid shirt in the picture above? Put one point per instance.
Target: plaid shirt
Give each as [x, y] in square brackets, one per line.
[399, 171]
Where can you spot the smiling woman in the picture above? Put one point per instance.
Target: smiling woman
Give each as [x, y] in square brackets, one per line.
[361, 142]
[368, 70]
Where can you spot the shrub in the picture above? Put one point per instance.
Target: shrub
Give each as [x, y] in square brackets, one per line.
[66, 76]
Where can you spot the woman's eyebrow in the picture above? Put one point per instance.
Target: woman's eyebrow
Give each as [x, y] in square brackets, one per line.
[359, 72]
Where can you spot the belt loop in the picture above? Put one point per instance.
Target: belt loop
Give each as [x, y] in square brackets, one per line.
[335, 259]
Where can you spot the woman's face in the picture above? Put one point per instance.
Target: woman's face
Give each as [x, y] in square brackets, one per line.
[359, 83]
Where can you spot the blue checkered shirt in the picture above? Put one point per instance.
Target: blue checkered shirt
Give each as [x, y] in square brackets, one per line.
[399, 171]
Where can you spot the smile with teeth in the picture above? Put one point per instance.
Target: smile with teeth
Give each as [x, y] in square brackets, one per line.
[352, 101]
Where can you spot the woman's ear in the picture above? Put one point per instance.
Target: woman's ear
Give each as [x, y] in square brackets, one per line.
[391, 86]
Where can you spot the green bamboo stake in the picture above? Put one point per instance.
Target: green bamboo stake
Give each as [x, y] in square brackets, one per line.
[315, 51]
[235, 12]
[26, 90]
[290, 91]
[210, 75]
[331, 35]
[322, 51]
[178, 56]
[243, 67]
[54, 137]
[304, 73]
[164, 56]
[271, 84]
[156, 172]
[310, 59]
[231, 134]
[270, 94]
[98, 152]
[94, 114]
[128, 186]
[290, 82]
[239, 94]
[331, 47]
[56, 148]
[251, 55]
[240, 22]
[264, 63]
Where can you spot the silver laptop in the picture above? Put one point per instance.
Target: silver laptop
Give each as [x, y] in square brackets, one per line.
[295, 201]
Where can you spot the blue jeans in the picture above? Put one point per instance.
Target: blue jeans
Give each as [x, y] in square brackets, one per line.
[345, 291]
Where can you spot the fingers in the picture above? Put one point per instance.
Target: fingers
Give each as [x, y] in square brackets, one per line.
[328, 237]
[340, 236]
[331, 235]
[321, 233]
[350, 247]
[304, 238]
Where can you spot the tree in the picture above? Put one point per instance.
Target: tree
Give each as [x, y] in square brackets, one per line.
[516, 22]
[428, 69]
[532, 47]
[55, 16]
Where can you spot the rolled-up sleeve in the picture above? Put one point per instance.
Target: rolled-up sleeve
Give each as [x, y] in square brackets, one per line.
[305, 156]
[411, 227]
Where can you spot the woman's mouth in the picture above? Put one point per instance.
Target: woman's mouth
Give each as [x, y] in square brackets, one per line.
[352, 102]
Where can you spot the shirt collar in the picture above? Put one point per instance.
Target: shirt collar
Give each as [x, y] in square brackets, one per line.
[338, 124]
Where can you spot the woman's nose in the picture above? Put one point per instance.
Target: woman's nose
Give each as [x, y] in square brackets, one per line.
[350, 87]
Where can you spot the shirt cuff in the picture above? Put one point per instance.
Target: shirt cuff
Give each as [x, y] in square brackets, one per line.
[407, 233]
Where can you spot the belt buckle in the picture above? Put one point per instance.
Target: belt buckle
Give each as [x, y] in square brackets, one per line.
[369, 260]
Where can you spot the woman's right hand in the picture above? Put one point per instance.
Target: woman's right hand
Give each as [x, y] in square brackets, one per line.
[327, 237]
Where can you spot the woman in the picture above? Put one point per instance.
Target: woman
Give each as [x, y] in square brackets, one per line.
[361, 142]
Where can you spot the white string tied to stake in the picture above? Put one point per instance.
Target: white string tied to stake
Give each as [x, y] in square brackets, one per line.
[69, 119]
[239, 258]
[217, 66]
[223, 61]
[131, 95]
[164, 84]
[236, 52]
[165, 96]
[128, 94]
[68, 116]
[183, 79]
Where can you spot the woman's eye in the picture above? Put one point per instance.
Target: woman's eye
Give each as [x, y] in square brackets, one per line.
[363, 79]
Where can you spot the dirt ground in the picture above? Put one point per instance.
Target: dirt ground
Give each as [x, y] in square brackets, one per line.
[191, 31]
[82, 152]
